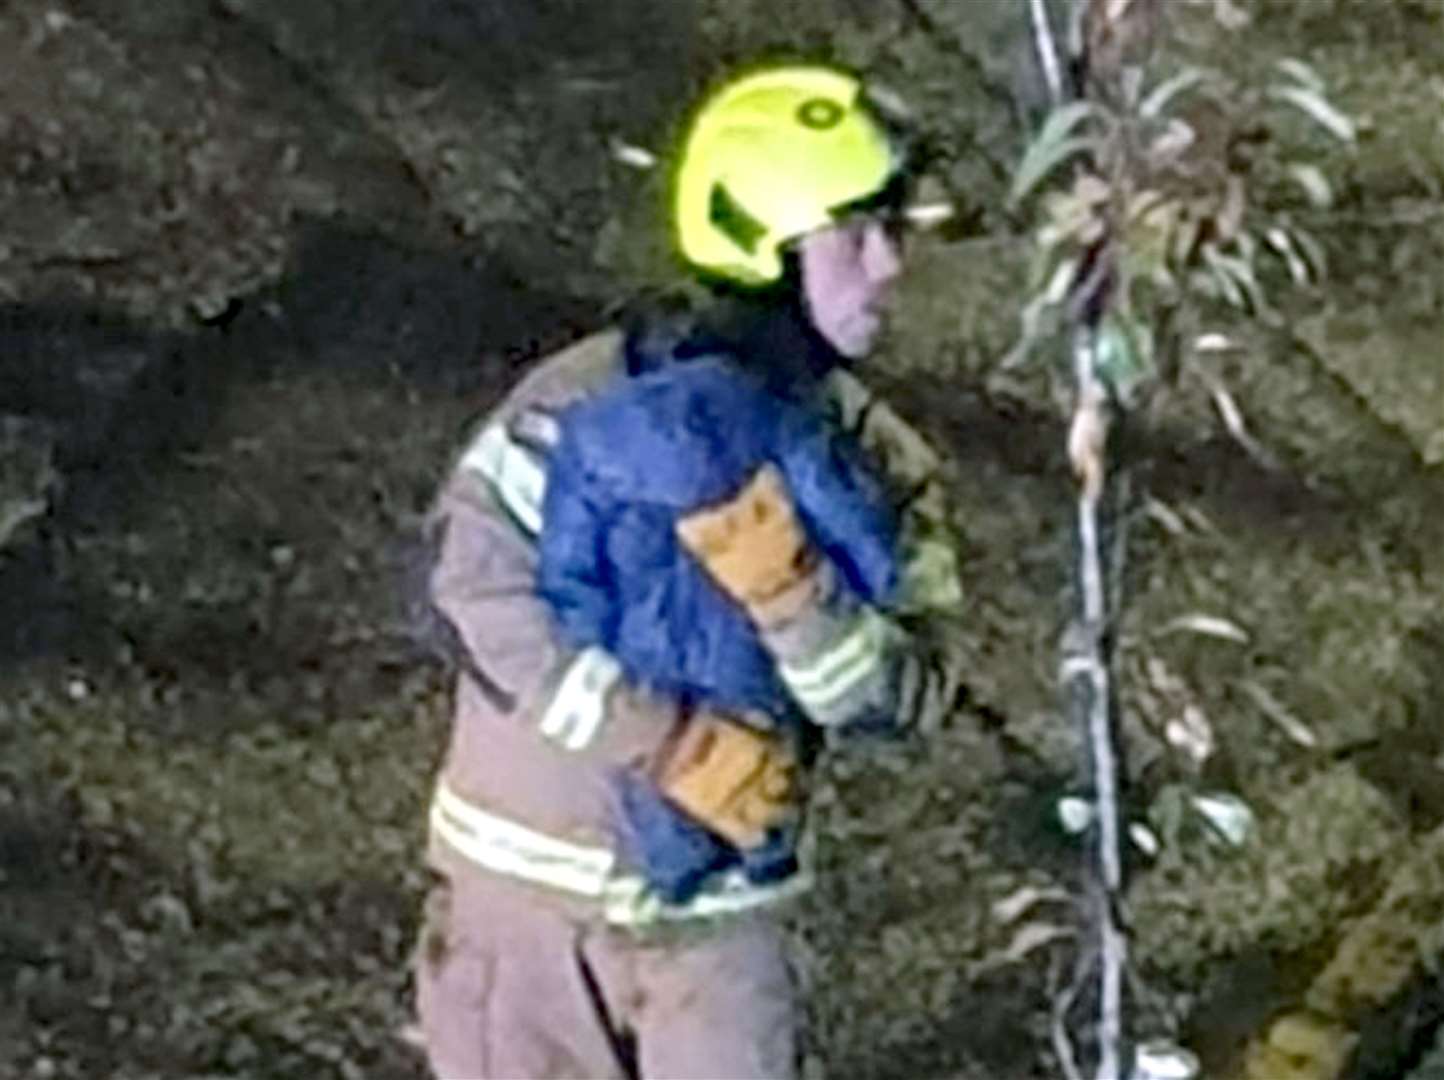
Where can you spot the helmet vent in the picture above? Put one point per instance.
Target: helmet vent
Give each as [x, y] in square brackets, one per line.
[727, 214]
[819, 114]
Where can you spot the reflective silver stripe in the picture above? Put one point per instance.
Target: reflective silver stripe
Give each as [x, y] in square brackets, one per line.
[516, 475]
[532, 426]
[829, 676]
[576, 713]
[507, 848]
[517, 851]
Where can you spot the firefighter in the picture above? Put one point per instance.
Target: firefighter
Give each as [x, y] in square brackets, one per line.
[548, 950]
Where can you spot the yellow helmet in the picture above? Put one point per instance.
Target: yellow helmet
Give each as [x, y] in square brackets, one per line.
[769, 158]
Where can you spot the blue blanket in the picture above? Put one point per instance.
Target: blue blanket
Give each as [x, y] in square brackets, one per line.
[656, 447]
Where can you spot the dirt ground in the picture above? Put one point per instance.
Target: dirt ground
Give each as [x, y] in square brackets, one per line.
[260, 265]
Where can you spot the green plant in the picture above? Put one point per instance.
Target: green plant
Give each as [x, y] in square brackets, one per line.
[1170, 205]
[1179, 192]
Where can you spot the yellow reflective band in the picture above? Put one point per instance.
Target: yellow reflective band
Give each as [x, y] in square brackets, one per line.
[828, 677]
[576, 713]
[509, 848]
[505, 847]
[516, 476]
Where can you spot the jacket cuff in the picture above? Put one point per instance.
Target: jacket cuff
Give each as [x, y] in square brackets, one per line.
[838, 665]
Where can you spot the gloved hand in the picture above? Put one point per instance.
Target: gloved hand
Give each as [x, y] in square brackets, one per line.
[738, 781]
[897, 683]
[718, 794]
[846, 664]
[930, 681]
[673, 853]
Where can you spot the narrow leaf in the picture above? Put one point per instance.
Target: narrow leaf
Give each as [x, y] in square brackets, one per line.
[1248, 249]
[1069, 219]
[1145, 839]
[1014, 906]
[1030, 938]
[1185, 236]
[1278, 239]
[1228, 814]
[1055, 143]
[1319, 110]
[1213, 342]
[1229, 410]
[1036, 166]
[1036, 311]
[1316, 187]
[1061, 282]
[1165, 515]
[1160, 96]
[1063, 120]
[1225, 281]
[1233, 420]
[1192, 733]
[1302, 74]
[1209, 626]
[1288, 723]
[1171, 144]
[1144, 202]
[1242, 272]
[1229, 15]
[1216, 283]
[929, 215]
[1312, 250]
[634, 157]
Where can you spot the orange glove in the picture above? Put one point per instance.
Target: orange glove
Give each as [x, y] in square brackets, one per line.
[755, 548]
[843, 662]
[734, 779]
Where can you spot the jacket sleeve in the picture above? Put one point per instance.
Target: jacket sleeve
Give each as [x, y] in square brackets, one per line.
[484, 586]
[571, 574]
[890, 663]
[845, 505]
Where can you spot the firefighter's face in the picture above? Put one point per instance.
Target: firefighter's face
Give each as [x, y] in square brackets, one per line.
[847, 271]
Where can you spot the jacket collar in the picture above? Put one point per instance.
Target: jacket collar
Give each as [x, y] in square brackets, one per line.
[769, 337]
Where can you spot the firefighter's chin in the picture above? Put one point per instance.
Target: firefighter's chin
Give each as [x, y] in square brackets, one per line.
[855, 336]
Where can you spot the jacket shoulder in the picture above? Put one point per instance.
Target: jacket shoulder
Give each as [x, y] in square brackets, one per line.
[570, 374]
[683, 435]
